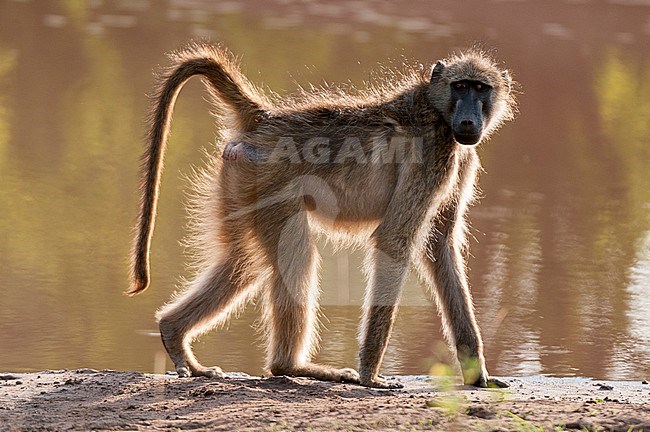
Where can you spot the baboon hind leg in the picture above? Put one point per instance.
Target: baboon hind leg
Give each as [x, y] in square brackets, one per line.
[208, 301]
[292, 303]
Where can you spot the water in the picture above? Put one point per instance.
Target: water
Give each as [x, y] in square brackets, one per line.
[560, 264]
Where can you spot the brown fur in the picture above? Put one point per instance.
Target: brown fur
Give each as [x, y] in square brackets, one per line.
[380, 169]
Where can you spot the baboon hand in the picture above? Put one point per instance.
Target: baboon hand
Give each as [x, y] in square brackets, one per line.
[485, 382]
[475, 374]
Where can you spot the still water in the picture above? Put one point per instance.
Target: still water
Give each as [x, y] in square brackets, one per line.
[560, 264]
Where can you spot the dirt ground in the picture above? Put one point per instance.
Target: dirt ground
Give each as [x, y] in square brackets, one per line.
[109, 400]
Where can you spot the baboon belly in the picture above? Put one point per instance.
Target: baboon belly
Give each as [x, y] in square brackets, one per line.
[346, 202]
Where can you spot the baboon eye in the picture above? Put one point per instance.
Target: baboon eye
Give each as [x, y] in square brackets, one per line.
[480, 87]
[461, 86]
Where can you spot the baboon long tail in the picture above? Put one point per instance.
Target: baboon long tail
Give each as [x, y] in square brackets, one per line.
[224, 80]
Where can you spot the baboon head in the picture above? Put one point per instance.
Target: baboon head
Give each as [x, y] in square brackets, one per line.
[472, 94]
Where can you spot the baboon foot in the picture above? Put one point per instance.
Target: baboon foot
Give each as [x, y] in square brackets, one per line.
[381, 383]
[199, 371]
[349, 375]
[183, 359]
[319, 372]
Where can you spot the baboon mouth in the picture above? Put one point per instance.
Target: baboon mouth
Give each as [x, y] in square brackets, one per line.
[467, 139]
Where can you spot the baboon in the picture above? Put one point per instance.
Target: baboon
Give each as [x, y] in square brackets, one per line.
[391, 168]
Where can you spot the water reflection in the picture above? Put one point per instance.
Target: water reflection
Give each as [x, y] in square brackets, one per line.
[560, 266]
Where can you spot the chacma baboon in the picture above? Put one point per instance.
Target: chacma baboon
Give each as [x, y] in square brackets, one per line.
[392, 168]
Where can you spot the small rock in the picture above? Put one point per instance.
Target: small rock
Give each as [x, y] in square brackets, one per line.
[605, 387]
[644, 382]
[8, 377]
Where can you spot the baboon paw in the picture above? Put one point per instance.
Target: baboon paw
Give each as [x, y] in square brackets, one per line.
[484, 382]
[381, 383]
[349, 375]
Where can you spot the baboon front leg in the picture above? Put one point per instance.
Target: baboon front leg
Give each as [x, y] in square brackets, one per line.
[291, 309]
[385, 281]
[443, 267]
[207, 302]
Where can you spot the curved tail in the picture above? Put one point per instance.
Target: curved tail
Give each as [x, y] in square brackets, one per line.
[224, 81]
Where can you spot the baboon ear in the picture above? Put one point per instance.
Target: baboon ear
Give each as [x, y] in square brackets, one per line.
[436, 72]
[506, 75]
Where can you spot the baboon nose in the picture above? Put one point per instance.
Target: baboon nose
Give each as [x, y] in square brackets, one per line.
[468, 127]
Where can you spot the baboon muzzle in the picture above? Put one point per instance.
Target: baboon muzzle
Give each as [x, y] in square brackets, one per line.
[467, 125]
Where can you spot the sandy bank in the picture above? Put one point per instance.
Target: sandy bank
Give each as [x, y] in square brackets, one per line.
[109, 400]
